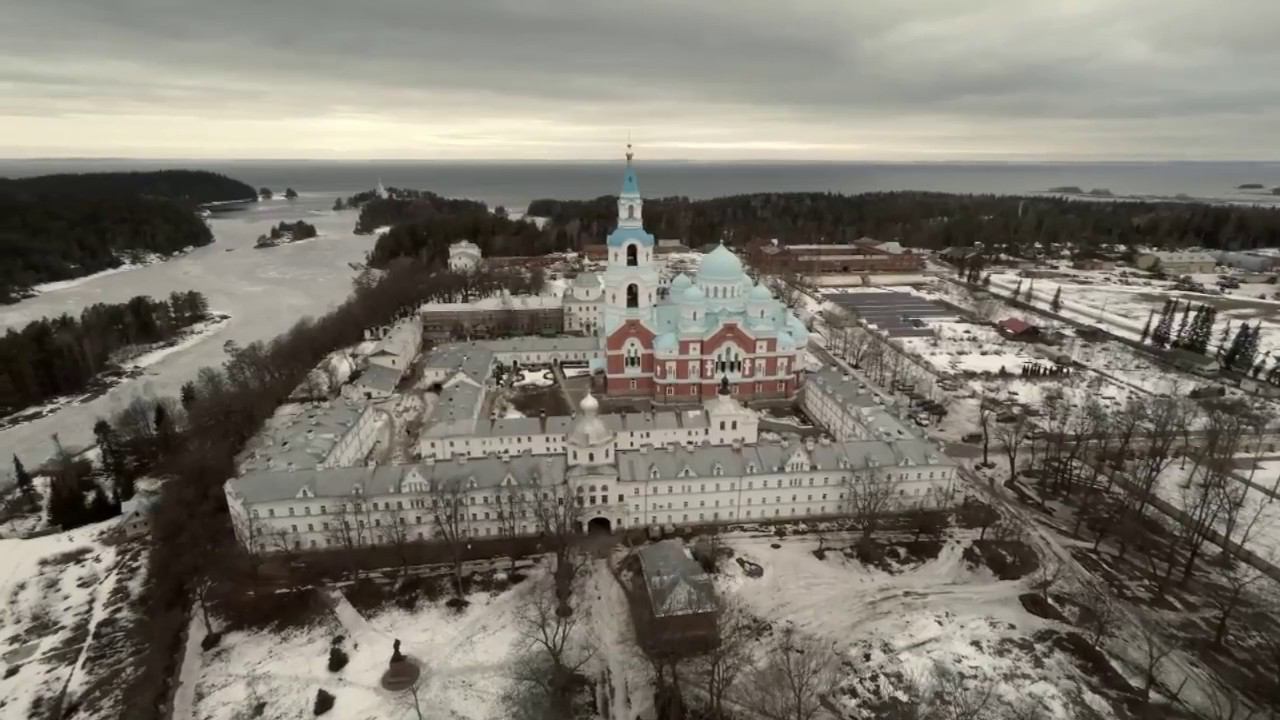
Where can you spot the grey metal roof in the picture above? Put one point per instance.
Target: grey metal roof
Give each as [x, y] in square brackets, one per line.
[673, 462]
[263, 486]
[300, 435]
[537, 343]
[893, 312]
[471, 359]
[676, 584]
[456, 411]
[379, 377]
[489, 472]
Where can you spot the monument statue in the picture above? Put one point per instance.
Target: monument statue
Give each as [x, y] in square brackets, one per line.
[396, 657]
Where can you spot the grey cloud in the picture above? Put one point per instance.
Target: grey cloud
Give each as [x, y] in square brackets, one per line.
[1179, 68]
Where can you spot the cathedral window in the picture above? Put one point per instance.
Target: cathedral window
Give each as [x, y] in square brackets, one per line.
[633, 293]
[631, 256]
[631, 215]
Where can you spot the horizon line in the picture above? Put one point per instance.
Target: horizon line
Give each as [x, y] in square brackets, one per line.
[595, 161]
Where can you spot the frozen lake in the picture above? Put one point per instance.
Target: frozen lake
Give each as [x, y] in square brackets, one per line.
[264, 291]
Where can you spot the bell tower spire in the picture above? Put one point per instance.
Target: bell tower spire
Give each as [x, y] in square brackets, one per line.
[629, 202]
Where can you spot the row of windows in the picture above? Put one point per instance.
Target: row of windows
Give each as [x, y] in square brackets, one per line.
[513, 498]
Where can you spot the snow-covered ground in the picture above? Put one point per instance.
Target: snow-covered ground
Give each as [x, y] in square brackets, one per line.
[264, 292]
[134, 263]
[1263, 536]
[961, 347]
[56, 590]
[534, 378]
[466, 656]
[884, 627]
[1100, 298]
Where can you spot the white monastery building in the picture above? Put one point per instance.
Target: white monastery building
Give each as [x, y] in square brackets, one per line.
[310, 480]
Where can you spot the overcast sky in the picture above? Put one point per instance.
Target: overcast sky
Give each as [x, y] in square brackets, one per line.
[702, 79]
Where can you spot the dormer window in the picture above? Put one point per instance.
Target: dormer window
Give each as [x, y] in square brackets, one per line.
[717, 470]
[653, 473]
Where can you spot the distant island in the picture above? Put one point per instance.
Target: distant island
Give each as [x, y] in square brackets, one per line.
[1249, 186]
[395, 206]
[286, 233]
[1076, 190]
[59, 227]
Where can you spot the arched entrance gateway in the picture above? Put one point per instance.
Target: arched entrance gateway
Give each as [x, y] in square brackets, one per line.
[599, 526]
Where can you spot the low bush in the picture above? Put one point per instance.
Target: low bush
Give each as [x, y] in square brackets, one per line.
[337, 659]
[210, 641]
[324, 702]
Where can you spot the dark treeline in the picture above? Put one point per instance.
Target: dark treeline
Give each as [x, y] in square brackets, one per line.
[56, 227]
[59, 356]
[923, 219]
[192, 187]
[405, 206]
[203, 432]
[498, 236]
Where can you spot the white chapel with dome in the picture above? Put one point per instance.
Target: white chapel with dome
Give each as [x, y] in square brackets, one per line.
[717, 325]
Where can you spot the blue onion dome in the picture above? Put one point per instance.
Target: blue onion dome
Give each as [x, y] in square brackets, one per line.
[720, 265]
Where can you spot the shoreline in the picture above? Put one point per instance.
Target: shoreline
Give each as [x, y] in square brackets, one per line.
[125, 266]
[130, 369]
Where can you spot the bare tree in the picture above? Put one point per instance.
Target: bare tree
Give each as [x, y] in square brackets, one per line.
[786, 286]
[987, 410]
[396, 533]
[1237, 578]
[1099, 614]
[872, 493]
[448, 505]
[554, 655]
[1155, 649]
[954, 697]
[1047, 575]
[1201, 504]
[558, 513]
[721, 666]
[1011, 435]
[513, 508]
[794, 679]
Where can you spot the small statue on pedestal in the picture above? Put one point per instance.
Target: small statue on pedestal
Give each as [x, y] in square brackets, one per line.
[396, 657]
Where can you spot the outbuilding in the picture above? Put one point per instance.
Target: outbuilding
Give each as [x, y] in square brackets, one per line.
[676, 609]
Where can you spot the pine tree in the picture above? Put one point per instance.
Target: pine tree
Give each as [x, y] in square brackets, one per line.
[1203, 333]
[1249, 349]
[1181, 338]
[1222, 341]
[1146, 329]
[1237, 347]
[114, 460]
[187, 395]
[1056, 303]
[21, 476]
[1160, 336]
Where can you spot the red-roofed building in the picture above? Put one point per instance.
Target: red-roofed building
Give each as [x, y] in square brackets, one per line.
[1018, 329]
